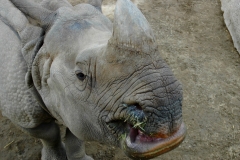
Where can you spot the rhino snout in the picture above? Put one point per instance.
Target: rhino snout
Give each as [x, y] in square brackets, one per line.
[145, 131]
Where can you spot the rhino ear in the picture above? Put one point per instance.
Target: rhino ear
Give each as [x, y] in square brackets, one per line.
[44, 16]
[18, 22]
[131, 30]
[30, 36]
[53, 5]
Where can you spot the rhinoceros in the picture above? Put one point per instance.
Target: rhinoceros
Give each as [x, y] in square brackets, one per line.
[104, 81]
[231, 15]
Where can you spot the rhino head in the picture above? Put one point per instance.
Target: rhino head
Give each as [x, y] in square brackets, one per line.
[106, 82]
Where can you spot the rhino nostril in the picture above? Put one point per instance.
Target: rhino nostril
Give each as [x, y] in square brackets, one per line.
[138, 106]
[135, 106]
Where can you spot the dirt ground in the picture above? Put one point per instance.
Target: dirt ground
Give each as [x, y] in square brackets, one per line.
[194, 41]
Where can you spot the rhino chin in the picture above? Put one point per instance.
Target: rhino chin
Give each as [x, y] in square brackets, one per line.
[139, 146]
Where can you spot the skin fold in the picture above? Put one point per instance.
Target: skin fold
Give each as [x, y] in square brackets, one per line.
[104, 81]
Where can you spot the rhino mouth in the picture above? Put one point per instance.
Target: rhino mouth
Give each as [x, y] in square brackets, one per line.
[146, 146]
[138, 145]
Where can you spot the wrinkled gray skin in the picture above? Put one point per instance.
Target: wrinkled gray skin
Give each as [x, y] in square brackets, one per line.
[99, 79]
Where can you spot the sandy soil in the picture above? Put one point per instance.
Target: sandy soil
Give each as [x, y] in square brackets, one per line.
[194, 41]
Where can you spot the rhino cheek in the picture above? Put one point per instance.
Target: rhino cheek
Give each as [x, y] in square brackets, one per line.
[78, 114]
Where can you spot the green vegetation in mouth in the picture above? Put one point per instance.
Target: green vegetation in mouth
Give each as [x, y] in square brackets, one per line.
[135, 122]
[122, 136]
[139, 125]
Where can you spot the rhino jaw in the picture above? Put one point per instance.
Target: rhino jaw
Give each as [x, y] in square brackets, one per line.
[139, 146]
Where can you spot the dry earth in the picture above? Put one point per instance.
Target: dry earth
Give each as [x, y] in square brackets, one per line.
[194, 41]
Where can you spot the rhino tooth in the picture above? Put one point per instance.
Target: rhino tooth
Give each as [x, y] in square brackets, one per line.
[140, 133]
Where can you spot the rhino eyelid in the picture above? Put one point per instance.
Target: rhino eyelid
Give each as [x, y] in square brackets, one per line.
[81, 63]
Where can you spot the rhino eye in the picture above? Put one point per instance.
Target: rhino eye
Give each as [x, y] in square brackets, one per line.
[81, 76]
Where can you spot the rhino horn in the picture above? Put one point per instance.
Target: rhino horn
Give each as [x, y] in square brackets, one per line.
[131, 30]
[44, 16]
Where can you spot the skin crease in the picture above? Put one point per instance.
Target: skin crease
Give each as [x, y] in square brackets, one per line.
[103, 81]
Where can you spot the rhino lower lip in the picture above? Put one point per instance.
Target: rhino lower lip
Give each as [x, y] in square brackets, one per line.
[140, 146]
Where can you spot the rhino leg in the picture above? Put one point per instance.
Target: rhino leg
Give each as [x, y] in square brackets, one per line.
[75, 148]
[96, 3]
[49, 134]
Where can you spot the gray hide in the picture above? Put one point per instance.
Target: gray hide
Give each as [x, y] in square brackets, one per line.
[231, 9]
[104, 81]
